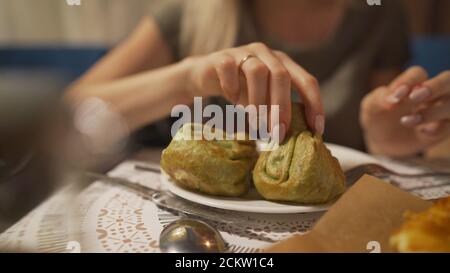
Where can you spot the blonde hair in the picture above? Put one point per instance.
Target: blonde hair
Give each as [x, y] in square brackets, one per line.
[208, 26]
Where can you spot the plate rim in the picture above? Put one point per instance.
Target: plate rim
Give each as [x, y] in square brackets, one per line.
[210, 201]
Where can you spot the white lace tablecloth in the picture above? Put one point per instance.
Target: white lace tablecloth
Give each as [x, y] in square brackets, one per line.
[113, 219]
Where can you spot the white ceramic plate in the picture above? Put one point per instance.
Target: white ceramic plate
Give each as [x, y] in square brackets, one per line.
[253, 202]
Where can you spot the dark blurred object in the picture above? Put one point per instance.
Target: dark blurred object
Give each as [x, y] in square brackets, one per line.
[43, 142]
[29, 109]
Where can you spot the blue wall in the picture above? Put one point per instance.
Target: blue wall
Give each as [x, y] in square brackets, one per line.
[433, 53]
[70, 62]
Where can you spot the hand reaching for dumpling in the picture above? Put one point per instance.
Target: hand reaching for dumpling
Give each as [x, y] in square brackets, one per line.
[301, 170]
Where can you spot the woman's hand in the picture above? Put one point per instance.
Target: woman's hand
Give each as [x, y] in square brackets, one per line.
[265, 78]
[408, 116]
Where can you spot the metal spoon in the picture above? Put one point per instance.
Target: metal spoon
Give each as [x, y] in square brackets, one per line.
[190, 236]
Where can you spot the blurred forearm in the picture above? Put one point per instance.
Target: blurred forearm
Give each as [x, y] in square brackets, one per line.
[136, 78]
[142, 98]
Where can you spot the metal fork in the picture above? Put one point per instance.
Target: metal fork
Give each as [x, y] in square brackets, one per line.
[439, 178]
[168, 201]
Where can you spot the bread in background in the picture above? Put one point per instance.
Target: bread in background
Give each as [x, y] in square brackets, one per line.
[428, 231]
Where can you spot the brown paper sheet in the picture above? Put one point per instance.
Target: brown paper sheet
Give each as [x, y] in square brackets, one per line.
[365, 215]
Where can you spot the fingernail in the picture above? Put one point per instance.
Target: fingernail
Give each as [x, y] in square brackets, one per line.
[320, 124]
[430, 129]
[411, 120]
[420, 94]
[399, 94]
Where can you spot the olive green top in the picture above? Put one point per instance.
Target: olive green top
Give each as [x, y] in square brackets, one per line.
[369, 37]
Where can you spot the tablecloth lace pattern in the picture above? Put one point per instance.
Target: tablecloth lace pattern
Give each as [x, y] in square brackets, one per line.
[113, 219]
